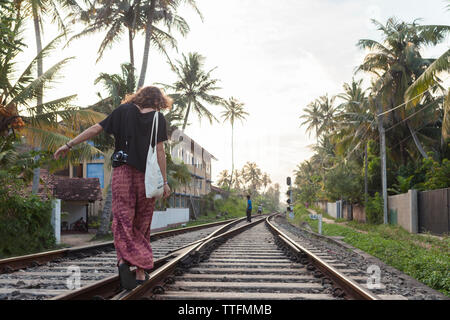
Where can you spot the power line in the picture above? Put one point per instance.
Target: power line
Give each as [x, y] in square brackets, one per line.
[401, 105]
[410, 116]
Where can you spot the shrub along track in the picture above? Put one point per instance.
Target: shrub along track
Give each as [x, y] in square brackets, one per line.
[256, 261]
[46, 275]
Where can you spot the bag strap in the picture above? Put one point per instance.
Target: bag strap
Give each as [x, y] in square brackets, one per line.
[155, 119]
[127, 147]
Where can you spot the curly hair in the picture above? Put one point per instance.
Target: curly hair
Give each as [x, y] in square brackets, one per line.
[149, 97]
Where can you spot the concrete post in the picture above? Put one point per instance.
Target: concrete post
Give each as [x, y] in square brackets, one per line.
[56, 219]
[414, 219]
[320, 224]
[338, 207]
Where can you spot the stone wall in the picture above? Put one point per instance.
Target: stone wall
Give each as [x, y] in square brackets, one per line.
[169, 218]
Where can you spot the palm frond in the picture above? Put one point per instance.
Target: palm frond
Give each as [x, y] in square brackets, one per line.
[427, 79]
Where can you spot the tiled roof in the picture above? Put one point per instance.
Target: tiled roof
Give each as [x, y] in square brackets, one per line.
[218, 190]
[70, 189]
[77, 189]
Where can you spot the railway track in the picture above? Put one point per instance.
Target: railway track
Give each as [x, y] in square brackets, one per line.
[238, 260]
[256, 261]
[46, 275]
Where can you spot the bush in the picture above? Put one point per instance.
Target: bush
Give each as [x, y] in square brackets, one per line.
[234, 205]
[437, 174]
[25, 222]
[374, 209]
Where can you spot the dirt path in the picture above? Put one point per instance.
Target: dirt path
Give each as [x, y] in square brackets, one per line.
[78, 239]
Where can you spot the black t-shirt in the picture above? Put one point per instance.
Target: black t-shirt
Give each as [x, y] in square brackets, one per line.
[127, 120]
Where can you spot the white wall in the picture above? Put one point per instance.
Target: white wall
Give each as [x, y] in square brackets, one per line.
[162, 219]
[331, 209]
[56, 219]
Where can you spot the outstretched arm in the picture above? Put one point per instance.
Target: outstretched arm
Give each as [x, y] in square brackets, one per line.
[85, 135]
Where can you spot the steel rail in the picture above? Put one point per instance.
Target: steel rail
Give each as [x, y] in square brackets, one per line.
[110, 287]
[189, 256]
[350, 288]
[12, 264]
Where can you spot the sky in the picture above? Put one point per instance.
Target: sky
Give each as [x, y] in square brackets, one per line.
[274, 56]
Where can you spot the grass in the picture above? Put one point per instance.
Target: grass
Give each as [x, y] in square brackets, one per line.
[424, 258]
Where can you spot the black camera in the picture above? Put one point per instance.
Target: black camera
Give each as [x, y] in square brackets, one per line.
[119, 158]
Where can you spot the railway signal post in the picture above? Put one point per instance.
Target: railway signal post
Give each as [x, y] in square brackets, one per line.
[290, 209]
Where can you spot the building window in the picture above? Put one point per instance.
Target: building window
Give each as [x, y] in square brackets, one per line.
[77, 171]
[178, 202]
[95, 170]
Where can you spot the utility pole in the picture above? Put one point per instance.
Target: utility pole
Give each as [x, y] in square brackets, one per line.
[383, 158]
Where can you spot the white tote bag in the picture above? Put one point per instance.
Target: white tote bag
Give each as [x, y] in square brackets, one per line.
[154, 182]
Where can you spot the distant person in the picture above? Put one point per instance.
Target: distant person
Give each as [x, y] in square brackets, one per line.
[131, 125]
[249, 209]
[260, 209]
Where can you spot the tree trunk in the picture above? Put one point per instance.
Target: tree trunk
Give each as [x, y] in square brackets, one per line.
[187, 115]
[232, 153]
[148, 36]
[130, 44]
[366, 186]
[416, 141]
[37, 31]
[105, 218]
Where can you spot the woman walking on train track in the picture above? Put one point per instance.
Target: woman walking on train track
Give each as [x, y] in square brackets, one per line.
[131, 124]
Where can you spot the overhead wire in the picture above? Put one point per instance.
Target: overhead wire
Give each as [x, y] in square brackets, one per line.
[404, 103]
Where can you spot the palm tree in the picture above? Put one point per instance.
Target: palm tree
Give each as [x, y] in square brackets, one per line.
[252, 174]
[37, 9]
[118, 17]
[237, 180]
[166, 8]
[397, 63]
[312, 118]
[320, 116]
[193, 87]
[233, 111]
[357, 123]
[224, 179]
[265, 180]
[427, 81]
[47, 125]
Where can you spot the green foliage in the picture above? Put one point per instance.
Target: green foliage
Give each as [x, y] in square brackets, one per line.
[374, 209]
[437, 175]
[344, 182]
[403, 185]
[20, 165]
[427, 260]
[234, 205]
[24, 220]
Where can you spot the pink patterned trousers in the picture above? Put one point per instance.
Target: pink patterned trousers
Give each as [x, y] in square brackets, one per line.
[132, 217]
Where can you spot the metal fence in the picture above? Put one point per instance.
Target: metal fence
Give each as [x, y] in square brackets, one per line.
[434, 211]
